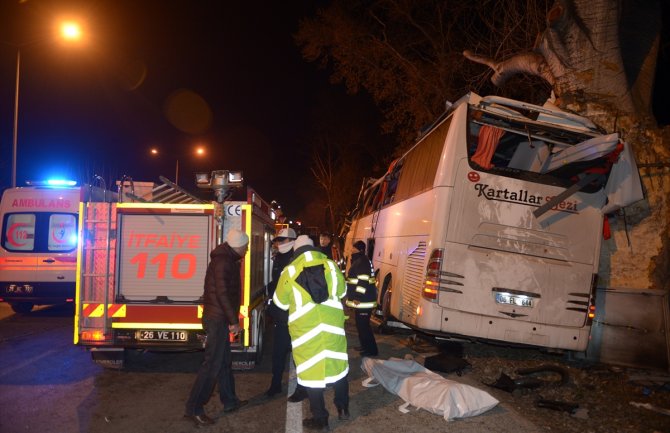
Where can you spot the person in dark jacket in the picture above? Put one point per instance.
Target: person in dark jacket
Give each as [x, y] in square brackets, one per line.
[221, 302]
[362, 297]
[326, 244]
[281, 345]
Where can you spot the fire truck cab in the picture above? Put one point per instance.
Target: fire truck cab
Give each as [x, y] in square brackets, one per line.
[141, 269]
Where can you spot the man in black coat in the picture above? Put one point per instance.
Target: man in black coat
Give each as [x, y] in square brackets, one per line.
[221, 303]
[281, 345]
[362, 297]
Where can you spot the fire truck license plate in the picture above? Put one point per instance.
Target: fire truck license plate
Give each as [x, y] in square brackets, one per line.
[154, 335]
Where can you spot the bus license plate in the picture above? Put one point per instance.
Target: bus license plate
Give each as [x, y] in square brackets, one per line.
[154, 335]
[519, 301]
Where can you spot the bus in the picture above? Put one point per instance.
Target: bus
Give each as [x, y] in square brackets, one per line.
[490, 226]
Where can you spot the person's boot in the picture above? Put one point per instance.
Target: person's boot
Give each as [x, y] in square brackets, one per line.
[317, 424]
[343, 413]
[298, 395]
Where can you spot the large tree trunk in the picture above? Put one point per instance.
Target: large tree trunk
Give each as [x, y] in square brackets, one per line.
[602, 70]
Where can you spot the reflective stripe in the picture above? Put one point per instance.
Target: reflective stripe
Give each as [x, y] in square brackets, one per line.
[364, 277]
[321, 327]
[298, 313]
[297, 296]
[360, 289]
[361, 305]
[291, 270]
[333, 277]
[323, 383]
[352, 280]
[320, 357]
[278, 303]
[332, 303]
[308, 256]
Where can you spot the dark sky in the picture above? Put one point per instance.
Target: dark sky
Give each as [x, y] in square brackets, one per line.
[151, 73]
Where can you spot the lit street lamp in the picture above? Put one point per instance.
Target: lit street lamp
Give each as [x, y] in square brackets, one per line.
[69, 31]
[198, 151]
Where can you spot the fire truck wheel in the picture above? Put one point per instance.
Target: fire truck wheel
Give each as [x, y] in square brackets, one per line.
[260, 344]
[22, 307]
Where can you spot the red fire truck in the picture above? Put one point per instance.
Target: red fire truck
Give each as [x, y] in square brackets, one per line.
[141, 265]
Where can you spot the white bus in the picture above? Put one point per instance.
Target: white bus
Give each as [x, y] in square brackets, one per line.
[490, 227]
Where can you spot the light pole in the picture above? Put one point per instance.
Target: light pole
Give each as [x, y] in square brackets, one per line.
[197, 151]
[69, 31]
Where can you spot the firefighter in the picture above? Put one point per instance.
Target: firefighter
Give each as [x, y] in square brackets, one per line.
[311, 288]
[221, 302]
[362, 297]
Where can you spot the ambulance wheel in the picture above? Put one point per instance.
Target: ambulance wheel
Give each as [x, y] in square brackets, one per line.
[22, 307]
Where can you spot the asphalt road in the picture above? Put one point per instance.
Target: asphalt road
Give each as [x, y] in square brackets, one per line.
[49, 385]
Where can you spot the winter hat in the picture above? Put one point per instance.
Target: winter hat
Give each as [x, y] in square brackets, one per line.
[236, 238]
[303, 240]
[360, 246]
[285, 233]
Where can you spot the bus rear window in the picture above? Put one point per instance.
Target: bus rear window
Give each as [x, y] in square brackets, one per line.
[535, 152]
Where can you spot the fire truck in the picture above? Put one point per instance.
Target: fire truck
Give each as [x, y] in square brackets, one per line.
[141, 266]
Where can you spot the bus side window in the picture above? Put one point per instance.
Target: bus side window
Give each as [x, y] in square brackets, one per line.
[391, 182]
[370, 200]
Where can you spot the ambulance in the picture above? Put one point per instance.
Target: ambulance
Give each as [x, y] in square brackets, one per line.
[38, 244]
[142, 264]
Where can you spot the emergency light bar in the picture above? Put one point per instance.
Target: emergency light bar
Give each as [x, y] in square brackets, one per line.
[51, 182]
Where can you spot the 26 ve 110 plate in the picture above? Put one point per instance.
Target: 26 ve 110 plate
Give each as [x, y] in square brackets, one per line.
[156, 335]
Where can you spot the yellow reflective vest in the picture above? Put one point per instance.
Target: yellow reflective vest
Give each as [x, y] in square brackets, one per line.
[316, 329]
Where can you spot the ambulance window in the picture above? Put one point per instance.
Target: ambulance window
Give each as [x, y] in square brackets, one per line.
[19, 233]
[62, 232]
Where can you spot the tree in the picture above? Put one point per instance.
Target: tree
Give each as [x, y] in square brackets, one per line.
[597, 56]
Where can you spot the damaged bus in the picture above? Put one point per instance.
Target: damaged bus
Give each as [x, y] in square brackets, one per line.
[490, 226]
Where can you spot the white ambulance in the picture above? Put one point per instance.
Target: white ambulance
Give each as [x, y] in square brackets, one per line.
[38, 243]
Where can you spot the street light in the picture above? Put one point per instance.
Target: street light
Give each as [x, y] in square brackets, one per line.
[197, 151]
[69, 31]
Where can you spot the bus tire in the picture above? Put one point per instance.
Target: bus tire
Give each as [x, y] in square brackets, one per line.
[21, 307]
[385, 304]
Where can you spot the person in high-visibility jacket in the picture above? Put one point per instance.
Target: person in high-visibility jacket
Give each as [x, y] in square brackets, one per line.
[362, 297]
[311, 288]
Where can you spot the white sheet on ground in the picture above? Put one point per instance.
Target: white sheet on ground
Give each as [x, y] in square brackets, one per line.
[427, 390]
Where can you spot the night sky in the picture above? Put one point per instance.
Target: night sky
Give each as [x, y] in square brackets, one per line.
[169, 74]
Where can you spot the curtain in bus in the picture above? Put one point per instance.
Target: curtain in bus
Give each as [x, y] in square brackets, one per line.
[489, 136]
[420, 165]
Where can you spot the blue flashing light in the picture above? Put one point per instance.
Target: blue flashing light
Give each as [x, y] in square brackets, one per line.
[51, 182]
[61, 182]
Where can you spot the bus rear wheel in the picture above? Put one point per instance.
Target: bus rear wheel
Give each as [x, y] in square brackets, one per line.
[22, 307]
[385, 306]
